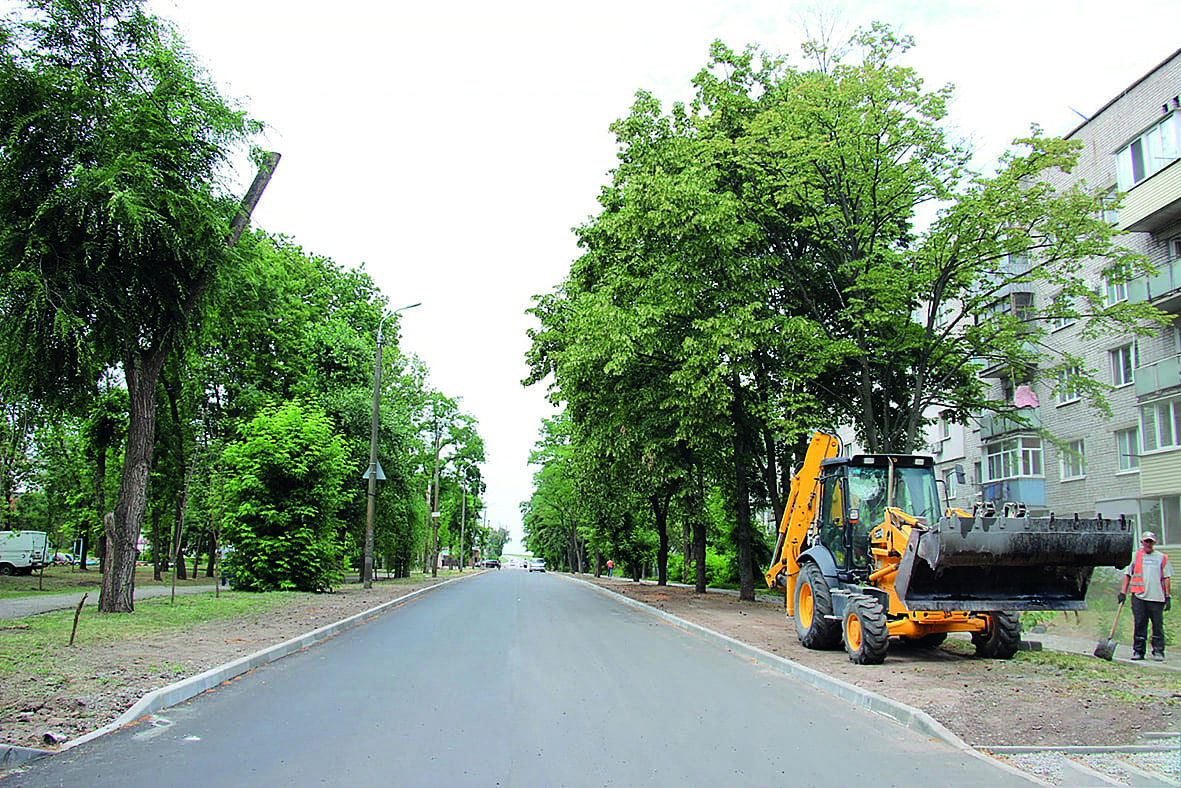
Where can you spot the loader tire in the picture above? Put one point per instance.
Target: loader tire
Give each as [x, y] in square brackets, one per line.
[865, 632]
[933, 640]
[1002, 639]
[813, 602]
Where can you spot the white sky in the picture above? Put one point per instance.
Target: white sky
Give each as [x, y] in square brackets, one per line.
[451, 146]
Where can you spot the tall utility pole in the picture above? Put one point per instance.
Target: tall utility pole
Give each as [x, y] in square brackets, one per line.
[371, 498]
[435, 507]
[462, 525]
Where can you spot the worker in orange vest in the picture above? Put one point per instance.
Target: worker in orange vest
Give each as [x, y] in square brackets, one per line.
[1147, 577]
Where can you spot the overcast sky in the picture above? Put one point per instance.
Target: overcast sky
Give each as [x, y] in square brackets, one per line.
[450, 147]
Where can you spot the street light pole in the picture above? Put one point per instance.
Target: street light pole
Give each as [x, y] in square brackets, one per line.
[371, 502]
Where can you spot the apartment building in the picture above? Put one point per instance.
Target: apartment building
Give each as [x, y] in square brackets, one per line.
[1129, 463]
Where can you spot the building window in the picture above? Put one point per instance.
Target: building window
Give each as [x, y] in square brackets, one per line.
[1073, 461]
[1013, 458]
[1117, 291]
[1066, 390]
[1016, 305]
[1124, 361]
[1107, 210]
[1059, 312]
[1127, 449]
[1162, 515]
[1160, 424]
[950, 482]
[1149, 153]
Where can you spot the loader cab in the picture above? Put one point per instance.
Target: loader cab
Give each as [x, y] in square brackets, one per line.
[855, 493]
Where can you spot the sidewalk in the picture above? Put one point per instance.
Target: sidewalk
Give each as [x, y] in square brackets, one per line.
[23, 606]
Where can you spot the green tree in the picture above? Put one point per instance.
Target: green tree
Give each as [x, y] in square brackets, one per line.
[284, 486]
[112, 223]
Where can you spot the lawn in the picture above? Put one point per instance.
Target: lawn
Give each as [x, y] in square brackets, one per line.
[72, 580]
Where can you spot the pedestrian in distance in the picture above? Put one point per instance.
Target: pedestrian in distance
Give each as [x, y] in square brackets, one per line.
[610, 567]
[1148, 580]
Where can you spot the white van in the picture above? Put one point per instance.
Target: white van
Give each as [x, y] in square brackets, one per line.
[23, 551]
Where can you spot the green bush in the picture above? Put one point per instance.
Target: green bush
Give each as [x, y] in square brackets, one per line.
[284, 486]
[719, 569]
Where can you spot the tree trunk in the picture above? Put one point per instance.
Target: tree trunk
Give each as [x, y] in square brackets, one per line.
[142, 371]
[660, 512]
[100, 498]
[686, 549]
[159, 561]
[196, 555]
[210, 567]
[742, 524]
[699, 533]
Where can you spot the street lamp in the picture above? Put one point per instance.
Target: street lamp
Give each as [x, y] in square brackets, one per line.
[371, 503]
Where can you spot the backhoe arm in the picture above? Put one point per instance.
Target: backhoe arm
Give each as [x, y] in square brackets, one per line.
[798, 514]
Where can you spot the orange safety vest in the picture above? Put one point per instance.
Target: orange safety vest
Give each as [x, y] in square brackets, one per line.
[1136, 585]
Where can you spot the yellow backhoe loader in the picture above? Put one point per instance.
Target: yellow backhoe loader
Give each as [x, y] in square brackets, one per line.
[867, 551]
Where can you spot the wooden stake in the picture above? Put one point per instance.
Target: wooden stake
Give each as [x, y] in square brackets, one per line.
[77, 613]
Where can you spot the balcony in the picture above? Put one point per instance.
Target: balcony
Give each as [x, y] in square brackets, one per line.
[1154, 203]
[995, 424]
[1029, 491]
[993, 367]
[1158, 376]
[1162, 290]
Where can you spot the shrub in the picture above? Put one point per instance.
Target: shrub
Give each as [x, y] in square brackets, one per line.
[284, 486]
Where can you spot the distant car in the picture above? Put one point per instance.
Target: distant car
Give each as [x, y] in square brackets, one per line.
[537, 565]
[63, 559]
[490, 563]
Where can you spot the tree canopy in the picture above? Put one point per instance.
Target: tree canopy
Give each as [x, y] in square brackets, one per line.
[760, 269]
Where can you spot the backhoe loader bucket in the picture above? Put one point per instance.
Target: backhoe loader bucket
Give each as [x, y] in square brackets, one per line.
[1008, 563]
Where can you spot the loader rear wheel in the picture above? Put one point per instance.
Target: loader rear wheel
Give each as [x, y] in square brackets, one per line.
[866, 634]
[813, 603]
[1002, 638]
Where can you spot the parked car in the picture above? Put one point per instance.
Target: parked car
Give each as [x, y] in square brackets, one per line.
[490, 563]
[63, 559]
[23, 551]
[537, 565]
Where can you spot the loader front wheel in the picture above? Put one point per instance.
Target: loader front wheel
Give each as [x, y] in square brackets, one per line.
[866, 634]
[1002, 638]
[813, 604]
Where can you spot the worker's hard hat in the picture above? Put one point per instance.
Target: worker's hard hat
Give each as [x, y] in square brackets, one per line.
[1149, 536]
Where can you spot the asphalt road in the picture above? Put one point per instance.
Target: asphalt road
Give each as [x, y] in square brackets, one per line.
[514, 679]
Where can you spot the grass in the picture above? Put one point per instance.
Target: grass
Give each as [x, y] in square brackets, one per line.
[1095, 622]
[28, 641]
[1089, 674]
[71, 580]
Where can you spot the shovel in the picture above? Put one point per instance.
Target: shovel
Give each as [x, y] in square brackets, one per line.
[1106, 648]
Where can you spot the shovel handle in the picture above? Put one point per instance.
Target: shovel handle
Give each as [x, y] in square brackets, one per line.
[1115, 623]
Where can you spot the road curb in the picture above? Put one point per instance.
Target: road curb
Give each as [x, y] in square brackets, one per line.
[11, 755]
[907, 716]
